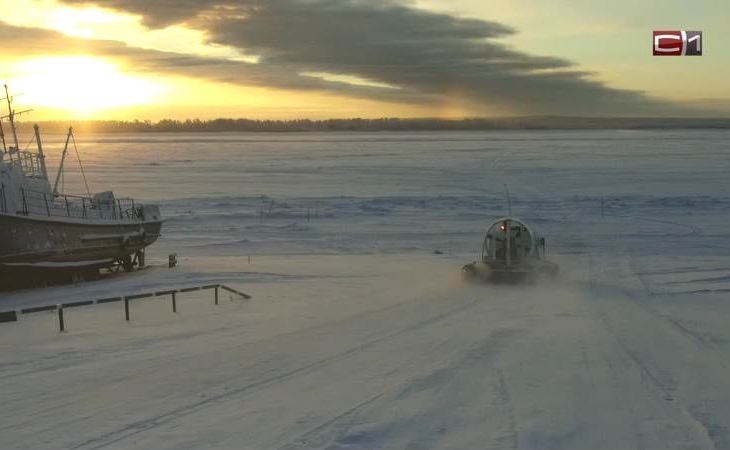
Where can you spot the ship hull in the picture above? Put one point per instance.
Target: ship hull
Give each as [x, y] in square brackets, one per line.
[41, 243]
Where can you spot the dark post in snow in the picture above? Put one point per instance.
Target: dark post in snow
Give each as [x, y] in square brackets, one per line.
[216, 295]
[61, 324]
[126, 308]
[174, 303]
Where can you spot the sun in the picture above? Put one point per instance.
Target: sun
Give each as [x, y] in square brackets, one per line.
[83, 85]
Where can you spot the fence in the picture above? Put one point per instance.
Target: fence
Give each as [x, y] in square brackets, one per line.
[270, 209]
[12, 315]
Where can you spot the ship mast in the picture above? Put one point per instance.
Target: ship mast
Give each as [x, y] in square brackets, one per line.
[63, 159]
[2, 136]
[11, 116]
[41, 155]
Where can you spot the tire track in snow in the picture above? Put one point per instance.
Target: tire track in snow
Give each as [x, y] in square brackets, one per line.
[302, 439]
[512, 438]
[436, 386]
[704, 423]
[151, 423]
[616, 372]
[677, 324]
[133, 345]
[694, 427]
[154, 362]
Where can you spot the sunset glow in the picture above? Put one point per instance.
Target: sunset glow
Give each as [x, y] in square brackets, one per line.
[416, 58]
[81, 84]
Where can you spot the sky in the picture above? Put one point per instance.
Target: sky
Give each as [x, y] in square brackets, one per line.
[284, 59]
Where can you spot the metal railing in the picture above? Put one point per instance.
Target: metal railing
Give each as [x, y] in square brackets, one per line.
[12, 315]
[3, 201]
[73, 206]
[30, 163]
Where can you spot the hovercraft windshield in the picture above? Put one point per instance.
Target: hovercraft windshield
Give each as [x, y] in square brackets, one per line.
[508, 241]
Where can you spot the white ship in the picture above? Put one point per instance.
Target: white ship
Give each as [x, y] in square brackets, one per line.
[43, 230]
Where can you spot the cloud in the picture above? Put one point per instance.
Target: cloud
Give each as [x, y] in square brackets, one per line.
[433, 58]
[34, 42]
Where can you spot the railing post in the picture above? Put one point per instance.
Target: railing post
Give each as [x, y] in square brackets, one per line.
[126, 309]
[45, 200]
[25, 202]
[68, 210]
[2, 191]
[83, 206]
[61, 324]
[174, 303]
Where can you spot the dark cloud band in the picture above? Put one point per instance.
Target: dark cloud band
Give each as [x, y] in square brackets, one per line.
[432, 58]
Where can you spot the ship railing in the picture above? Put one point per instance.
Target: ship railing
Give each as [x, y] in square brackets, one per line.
[7, 156]
[74, 206]
[30, 163]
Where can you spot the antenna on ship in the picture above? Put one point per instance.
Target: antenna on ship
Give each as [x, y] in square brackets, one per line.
[11, 116]
[509, 202]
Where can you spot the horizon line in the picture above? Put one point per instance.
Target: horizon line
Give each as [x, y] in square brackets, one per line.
[391, 118]
[222, 125]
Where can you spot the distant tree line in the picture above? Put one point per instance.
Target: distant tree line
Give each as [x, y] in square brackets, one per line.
[384, 124]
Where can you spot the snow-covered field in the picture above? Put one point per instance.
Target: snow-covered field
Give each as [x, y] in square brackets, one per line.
[359, 335]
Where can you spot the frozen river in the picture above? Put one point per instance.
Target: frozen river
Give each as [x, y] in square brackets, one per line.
[359, 334]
